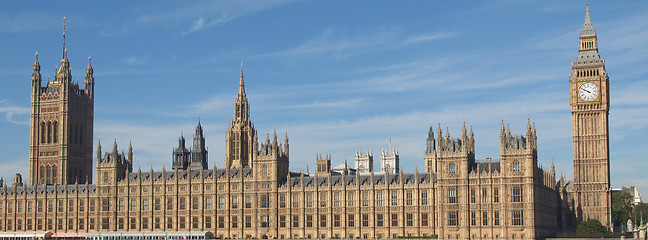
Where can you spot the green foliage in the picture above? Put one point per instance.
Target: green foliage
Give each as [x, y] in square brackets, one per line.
[640, 212]
[621, 208]
[591, 226]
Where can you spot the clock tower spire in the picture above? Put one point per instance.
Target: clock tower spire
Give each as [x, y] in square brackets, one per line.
[590, 104]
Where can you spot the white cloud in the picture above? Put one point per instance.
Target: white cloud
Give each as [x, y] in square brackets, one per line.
[13, 112]
[426, 38]
[197, 16]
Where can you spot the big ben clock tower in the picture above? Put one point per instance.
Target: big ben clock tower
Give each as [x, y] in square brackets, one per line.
[590, 103]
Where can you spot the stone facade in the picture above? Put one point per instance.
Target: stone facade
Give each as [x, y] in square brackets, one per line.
[589, 101]
[255, 194]
[60, 144]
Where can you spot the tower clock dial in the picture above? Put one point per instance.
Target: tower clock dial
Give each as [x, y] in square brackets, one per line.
[588, 91]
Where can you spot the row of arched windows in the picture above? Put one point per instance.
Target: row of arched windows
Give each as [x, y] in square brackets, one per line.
[76, 134]
[48, 174]
[49, 132]
[587, 73]
[587, 45]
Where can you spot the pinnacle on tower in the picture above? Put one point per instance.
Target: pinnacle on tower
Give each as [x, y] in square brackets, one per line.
[588, 27]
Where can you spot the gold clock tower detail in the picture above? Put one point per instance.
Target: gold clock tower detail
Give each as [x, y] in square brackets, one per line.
[590, 103]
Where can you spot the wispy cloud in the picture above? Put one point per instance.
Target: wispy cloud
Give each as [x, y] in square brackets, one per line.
[342, 44]
[12, 112]
[426, 38]
[197, 16]
[134, 60]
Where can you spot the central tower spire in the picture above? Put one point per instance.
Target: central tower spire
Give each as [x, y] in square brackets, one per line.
[241, 133]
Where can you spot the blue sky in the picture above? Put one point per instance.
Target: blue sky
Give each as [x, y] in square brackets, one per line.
[336, 75]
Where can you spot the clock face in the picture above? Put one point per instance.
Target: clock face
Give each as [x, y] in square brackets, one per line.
[588, 91]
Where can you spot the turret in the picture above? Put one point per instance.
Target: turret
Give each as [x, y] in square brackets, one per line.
[199, 151]
[99, 150]
[181, 155]
[89, 80]
[430, 142]
[36, 75]
[130, 152]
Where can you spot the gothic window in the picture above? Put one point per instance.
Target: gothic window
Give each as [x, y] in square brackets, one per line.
[394, 219]
[379, 220]
[365, 199]
[194, 222]
[472, 195]
[80, 134]
[336, 199]
[485, 218]
[452, 168]
[183, 203]
[265, 221]
[518, 218]
[516, 166]
[282, 200]
[295, 219]
[453, 218]
[264, 171]
[221, 202]
[105, 205]
[394, 198]
[208, 203]
[496, 194]
[235, 202]
[379, 199]
[309, 200]
[452, 195]
[517, 194]
[145, 204]
[43, 132]
[169, 204]
[409, 198]
[105, 177]
[365, 220]
[49, 132]
[484, 195]
[295, 203]
[55, 132]
[424, 198]
[248, 202]
[282, 221]
[351, 199]
[323, 200]
[265, 202]
[336, 220]
[351, 220]
[424, 219]
[195, 203]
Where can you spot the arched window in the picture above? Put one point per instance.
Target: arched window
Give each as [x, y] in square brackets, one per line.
[452, 168]
[105, 177]
[42, 174]
[516, 166]
[55, 135]
[264, 171]
[53, 174]
[43, 132]
[49, 132]
[80, 134]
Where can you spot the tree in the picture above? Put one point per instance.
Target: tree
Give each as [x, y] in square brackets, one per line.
[621, 208]
[639, 213]
[591, 226]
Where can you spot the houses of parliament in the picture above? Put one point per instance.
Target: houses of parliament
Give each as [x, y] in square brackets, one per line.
[256, 195]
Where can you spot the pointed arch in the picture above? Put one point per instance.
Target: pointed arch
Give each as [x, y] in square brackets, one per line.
[43, 132]
[55, 133]
[49, 132]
